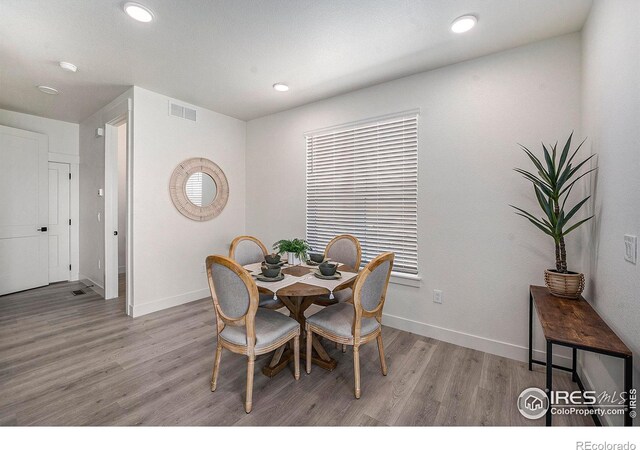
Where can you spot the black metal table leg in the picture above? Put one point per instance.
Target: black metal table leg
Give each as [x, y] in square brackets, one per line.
[530, 331]
[574, 366]
[549, 379]
[628, 385]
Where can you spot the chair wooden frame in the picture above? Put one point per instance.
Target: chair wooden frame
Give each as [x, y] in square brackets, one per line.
[247, 320]
[237, 240]
[265, 252]
[356, 339]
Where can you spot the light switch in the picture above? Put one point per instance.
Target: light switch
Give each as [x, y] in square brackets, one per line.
[630, 248]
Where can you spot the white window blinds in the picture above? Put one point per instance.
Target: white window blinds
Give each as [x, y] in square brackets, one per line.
[363, 180]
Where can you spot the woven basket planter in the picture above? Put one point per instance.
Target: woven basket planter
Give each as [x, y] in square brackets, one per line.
[565, 285]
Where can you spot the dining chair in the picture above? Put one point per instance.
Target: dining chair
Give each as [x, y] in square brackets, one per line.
[248, 250]
[241, 326]
[358, 323]
[346, 249]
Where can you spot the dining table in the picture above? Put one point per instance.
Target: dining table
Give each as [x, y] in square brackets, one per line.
[297, 292]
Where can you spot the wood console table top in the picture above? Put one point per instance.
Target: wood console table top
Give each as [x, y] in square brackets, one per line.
[575, 322]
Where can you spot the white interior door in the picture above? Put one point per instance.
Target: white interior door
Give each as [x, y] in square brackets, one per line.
[24, 201]
[59, 186]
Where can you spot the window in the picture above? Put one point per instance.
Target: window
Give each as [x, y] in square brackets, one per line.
[363, 180]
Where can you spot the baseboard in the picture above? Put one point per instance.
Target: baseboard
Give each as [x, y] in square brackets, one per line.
[94, 286]
[590, 386]
[499, 348]
[168, 302]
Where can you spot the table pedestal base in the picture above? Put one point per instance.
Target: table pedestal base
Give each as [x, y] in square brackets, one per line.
[282, 356]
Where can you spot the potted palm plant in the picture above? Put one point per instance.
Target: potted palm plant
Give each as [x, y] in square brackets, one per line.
[296, 250]
[552, 184]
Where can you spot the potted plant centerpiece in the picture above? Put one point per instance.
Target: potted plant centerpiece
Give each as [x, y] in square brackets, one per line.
[296, 250]
[552, 184]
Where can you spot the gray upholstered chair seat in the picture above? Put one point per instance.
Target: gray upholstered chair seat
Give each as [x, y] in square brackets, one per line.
[267, 301]
[270, 327]
[338, 320]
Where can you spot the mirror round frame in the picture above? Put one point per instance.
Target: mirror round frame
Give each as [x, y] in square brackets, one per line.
[177, 189]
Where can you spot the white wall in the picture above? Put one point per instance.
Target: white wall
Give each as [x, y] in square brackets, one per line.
[471, 244]
[64, 148]
[170, 249]
[611, 110]
[122, 197]
[92, 178]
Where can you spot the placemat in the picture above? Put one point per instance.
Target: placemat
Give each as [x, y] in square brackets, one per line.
[274, 286]
[328, 284]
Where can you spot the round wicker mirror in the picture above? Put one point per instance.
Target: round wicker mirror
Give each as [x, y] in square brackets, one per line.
[199, 189]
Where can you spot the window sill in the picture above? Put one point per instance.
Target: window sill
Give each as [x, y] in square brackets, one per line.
[405, 279]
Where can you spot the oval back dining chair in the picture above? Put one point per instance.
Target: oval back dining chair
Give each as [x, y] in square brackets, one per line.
[346, 249]
[248, 250]
[358, 323]
[241, 326]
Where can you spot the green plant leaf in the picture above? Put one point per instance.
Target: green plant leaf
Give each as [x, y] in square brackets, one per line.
[531, 217]
[576, 151]
[576, 225]
[544, 229]
[551, 170]
[575, 209]
[545, 205]
[576, 180]
[538, 164]
[544, 187]
[565, 152]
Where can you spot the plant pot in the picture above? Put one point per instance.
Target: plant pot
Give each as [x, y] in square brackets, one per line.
[293, 259]
[565, 285]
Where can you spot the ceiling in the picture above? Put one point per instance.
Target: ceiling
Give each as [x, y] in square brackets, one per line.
[225, 55]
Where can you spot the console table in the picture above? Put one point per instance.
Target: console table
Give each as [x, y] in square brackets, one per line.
[575, 324]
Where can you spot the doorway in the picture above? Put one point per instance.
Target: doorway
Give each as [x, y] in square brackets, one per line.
[59, 221]
[116, 207]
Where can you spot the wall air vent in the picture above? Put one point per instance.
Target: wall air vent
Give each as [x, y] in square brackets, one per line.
[184, 112]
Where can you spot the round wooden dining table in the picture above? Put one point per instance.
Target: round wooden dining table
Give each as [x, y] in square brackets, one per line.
[298, 298]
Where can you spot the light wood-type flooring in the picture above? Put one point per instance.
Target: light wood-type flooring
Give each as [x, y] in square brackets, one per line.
[79, 360]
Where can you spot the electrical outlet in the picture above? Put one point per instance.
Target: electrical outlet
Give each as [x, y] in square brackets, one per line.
[630, 248]
[437, 296]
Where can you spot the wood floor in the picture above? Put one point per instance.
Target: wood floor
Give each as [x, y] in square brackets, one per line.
[79, 360]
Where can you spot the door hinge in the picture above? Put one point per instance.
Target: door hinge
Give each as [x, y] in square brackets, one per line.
[69, 175]
[69, 221]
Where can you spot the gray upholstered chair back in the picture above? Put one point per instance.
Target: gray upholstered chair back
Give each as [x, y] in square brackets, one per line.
[231, 291]
[375, 286]
[344, 250]
[248, 252]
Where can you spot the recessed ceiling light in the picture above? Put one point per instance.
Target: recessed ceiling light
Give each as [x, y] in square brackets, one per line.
[281, 87]
[68, 66]
[138, 12]
[48, 90]
[464, 23]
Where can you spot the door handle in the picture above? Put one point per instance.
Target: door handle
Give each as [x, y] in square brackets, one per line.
[43, 229]
[115, 233]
